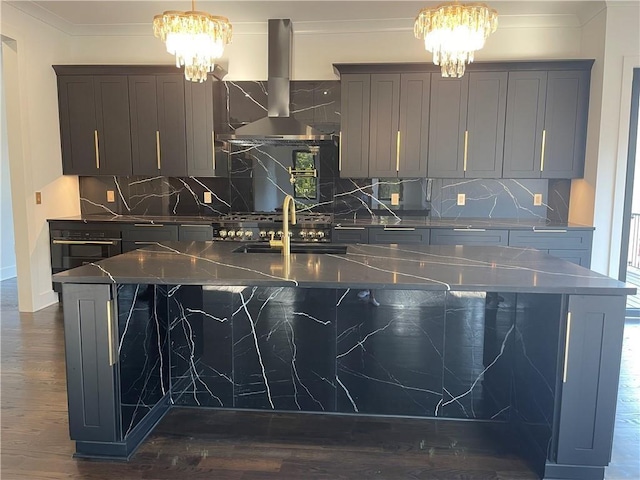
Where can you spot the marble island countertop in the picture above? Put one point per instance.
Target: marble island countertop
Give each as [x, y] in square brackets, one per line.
[368, 221]
[499, 269]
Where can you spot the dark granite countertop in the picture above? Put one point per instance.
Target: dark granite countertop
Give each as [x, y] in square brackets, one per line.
[376, 221]
[499, 269]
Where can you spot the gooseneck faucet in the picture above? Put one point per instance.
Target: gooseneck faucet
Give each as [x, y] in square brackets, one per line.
[288, 206]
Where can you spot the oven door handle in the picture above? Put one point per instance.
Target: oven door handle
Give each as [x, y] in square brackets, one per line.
[85, 242]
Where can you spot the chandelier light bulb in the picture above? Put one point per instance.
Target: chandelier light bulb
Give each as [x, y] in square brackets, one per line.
[197, 39]
[454, 32]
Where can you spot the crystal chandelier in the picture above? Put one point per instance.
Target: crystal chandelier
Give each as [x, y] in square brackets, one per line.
[453, 32]
[197, 39]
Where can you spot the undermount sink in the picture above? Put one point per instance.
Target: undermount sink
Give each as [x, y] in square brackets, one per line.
[295, 248]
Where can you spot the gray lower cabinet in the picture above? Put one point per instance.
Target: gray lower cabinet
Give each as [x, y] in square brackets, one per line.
[593, 345]
[90, 333]
[399, 235]
[350, 234]
[140, 234]
[195, 233]
[571, 245]
[469, 236]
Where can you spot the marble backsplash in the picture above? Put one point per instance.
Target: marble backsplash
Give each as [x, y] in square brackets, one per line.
[258, 177]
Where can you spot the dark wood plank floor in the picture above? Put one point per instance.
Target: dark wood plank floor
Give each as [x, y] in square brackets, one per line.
[196, 444]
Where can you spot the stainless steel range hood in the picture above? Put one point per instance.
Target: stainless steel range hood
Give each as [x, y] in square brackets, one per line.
[278, 127]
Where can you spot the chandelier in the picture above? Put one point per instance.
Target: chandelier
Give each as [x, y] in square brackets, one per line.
[197, 39]
[453, 32]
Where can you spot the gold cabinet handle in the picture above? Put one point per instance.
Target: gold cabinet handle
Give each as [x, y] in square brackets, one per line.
[466, 147]
[544, 143]
[340, 151]
[566, 349]
[398, 152]
[158, 148]
[111, 330]
[95, 143]
[213, 151]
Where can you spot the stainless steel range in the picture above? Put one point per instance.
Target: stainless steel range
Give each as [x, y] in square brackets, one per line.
[258, 226]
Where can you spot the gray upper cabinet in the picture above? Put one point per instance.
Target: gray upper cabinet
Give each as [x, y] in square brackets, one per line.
[354, 135]
[466, 136]
[447, 120]
[486, 110]
[385, 111]
[201, 154]
[565, 123]
[158, 131]
[414, 124]
[545, 135]
[94, 124]
[390, 112]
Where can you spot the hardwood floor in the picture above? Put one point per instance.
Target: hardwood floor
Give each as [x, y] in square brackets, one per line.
[197, 444]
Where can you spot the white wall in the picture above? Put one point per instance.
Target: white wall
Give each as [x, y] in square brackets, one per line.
[7, 247]
[598, 200]
[30, 47]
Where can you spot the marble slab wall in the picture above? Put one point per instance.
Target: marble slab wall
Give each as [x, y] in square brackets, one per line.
[258, 178]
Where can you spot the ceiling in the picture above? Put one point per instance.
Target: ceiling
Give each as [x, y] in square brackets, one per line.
[100, 17]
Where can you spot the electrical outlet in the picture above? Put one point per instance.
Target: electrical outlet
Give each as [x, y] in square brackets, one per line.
[38, 198]
[537, 199]
[207, 197]
[111, 196]
[395, 199]
[462, 199]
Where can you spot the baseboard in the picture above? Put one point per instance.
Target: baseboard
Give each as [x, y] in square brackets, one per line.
[45, 299]
[8, 272]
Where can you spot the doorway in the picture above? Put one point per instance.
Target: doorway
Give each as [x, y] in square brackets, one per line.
[630, 251]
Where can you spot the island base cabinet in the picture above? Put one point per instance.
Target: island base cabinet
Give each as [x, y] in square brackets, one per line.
[91, 372]
[593, 339]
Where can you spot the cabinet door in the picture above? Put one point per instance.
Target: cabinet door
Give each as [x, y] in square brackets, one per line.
[171, 125]
[399, 235]
[354, 135]
[447, 121]
[525, 122]
[469, 236]
[590, 379]
[486, 110]
[577, 256]
[112, 119]
[565, 123]
[201, 160]
[414, 124]
[195, 233]
[144, 124]
[348, 234]
[90, 359]
[383, 133]
[77, 124]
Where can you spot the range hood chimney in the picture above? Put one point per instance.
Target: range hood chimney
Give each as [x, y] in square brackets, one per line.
[278, 128]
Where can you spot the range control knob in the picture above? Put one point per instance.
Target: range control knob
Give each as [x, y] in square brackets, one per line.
[280, 233]
[262, 234]
[239, 233]
[320, 234]
[271, 233]
[303, 233]
[223, 233]
[248, 233]
[312, 234]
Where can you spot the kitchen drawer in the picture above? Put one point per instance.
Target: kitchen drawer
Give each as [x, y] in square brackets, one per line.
[579, 257]
[149, 232]
[469, 236]
[550, 238]
[195, 233]
[350, 234]
[399, 235]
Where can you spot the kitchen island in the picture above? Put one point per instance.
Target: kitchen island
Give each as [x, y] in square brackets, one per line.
[494, 334]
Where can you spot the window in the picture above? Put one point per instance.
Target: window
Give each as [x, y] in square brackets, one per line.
[305, 184]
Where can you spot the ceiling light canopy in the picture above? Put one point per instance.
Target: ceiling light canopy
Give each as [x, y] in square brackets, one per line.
[453, 32]
[197, 39]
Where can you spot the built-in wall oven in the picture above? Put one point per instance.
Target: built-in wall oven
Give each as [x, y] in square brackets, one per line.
[72, 247]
